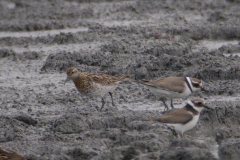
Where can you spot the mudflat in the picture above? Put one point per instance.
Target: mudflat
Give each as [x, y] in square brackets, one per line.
[41, 118]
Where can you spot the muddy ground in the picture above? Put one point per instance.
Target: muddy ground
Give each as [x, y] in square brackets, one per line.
[43, 119]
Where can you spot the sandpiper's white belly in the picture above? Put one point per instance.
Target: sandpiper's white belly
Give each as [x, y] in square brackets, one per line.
[99, 90]
[180, 128]
[168, 94]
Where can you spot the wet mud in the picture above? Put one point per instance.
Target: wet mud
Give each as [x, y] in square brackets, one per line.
[41, 118]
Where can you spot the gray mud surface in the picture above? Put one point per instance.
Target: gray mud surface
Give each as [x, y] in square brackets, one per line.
[40, 118]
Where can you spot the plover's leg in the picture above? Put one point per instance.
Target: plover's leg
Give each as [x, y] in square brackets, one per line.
[163, 100]
[172, 104]
[103, 103]
[181, 135]
[112, 98]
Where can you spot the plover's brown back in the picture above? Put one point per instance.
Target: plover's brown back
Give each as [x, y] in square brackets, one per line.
[185, 118]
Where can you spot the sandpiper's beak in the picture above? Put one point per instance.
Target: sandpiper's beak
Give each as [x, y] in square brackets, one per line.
[67, 79]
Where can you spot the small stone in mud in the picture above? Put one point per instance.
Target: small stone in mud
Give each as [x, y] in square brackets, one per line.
[164, 36]
[27, 119]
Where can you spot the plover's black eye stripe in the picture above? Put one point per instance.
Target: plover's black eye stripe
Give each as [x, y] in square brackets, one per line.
[195, 85]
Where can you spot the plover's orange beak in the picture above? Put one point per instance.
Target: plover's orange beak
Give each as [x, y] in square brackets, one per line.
[67, 79]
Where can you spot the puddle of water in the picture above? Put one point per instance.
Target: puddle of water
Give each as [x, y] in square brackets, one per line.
[151, 20]
[178, 103]
[42, 33]
[139, 106]
[29, 70]
[55, 48]
[231, 54]
[120, 23]
[7, 4]
[190, 17]
[213, 45]
[214, 150]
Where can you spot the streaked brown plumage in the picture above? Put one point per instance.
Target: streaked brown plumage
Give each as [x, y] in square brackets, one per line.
[94, 85]
[9, 155]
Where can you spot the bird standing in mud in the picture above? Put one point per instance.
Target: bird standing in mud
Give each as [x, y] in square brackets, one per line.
[94, 85]
[173, 87]
[185, 118]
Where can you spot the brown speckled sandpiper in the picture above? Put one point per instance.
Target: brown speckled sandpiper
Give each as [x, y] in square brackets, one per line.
[94, 85]
[10, 155]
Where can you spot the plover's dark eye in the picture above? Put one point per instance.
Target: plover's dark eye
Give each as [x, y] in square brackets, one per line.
[199, 103]
[196, 85]
[72, 72]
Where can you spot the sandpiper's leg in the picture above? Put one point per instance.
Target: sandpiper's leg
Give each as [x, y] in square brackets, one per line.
[103, 103]
[112, 98]
[163, 100]
[172, 104]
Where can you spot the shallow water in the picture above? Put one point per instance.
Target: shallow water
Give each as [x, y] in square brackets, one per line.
[213, 45]
[54, 48]
[42, 33]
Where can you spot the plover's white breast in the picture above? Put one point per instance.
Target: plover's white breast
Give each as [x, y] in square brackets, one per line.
[169, 94]
[181, 128]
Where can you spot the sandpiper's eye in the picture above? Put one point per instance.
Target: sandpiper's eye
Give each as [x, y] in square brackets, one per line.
[196, 85]
[72, 72]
